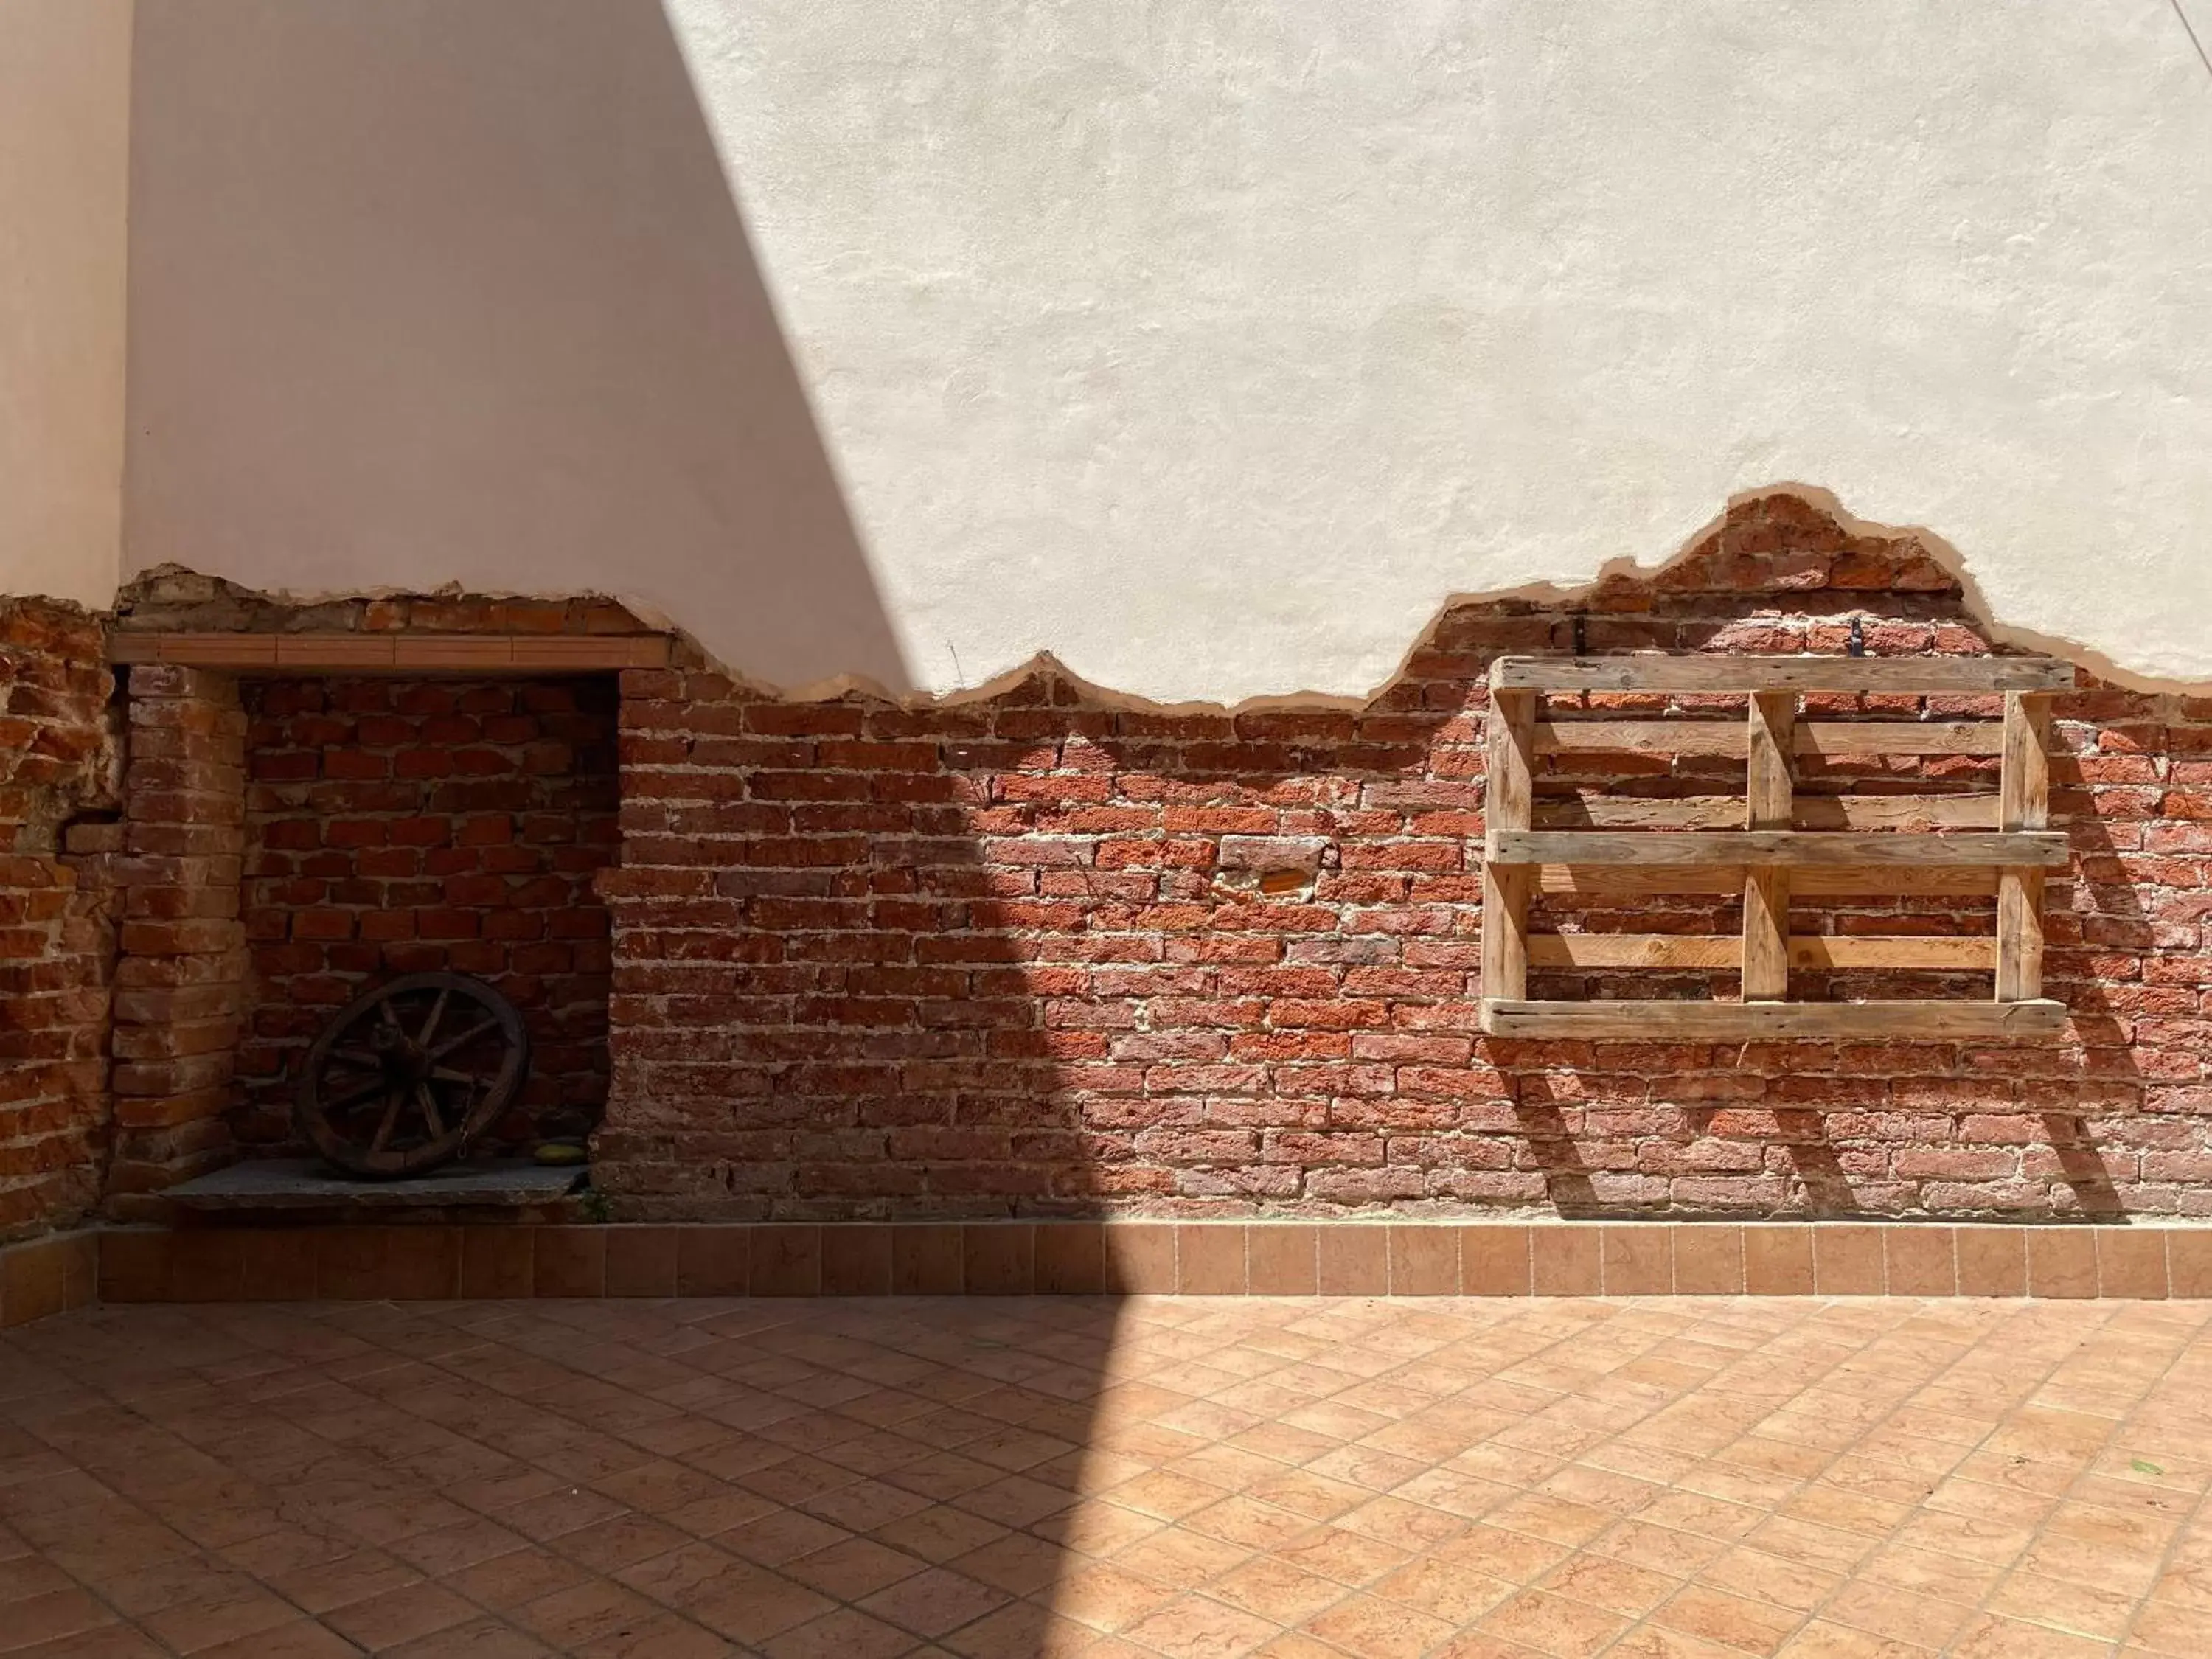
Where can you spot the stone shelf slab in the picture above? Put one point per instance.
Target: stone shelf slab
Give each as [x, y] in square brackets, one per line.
[304, 1184]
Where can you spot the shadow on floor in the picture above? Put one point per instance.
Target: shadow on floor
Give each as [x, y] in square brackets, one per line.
[1194, 1478]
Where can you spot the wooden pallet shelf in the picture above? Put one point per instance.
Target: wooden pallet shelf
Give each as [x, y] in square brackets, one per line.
[1811, 845]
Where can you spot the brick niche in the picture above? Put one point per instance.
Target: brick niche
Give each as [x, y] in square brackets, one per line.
[1035, 953]
[395, 825]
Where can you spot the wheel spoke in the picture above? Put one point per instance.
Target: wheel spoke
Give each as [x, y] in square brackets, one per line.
[390, 1122]
[338, 1102]
[466, 1037]
[407, 1073]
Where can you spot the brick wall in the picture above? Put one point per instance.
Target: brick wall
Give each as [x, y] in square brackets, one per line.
[1032, 954]
[56, 760]
[180, 973]
[395, 826]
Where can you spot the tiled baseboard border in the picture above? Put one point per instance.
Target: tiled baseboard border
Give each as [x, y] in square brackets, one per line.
[48, 1275]
[1350, 1258]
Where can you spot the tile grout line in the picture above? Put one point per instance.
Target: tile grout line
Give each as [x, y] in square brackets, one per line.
[1677, 1585]
[1980, 1606]
[2115, 1307]
[503, 1617]
[1714, 1303]
[2199, 1507]
[1645, 1619]
[1215, 1328]
[201, 1552]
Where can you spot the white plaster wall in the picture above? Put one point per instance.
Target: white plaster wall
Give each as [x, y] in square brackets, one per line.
[1210, 344]
[64, 116]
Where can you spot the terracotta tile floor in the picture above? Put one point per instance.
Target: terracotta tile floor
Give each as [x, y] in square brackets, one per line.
[1190, 1478]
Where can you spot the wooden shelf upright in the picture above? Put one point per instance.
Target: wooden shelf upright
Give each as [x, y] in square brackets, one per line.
[1825, 845]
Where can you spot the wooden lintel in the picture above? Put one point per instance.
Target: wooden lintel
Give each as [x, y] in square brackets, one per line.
[1778, 847]
[393, 653]
[1947, 676]
[1743, 1022]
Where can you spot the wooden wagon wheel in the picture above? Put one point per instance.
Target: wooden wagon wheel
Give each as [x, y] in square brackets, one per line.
[408, 1074]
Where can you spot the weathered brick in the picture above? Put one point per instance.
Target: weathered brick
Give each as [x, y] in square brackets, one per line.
[58, 758]
[1084, 891]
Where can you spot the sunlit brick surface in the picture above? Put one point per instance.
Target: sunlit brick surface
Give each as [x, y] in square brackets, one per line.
[1040, 953]
[1197, 1479]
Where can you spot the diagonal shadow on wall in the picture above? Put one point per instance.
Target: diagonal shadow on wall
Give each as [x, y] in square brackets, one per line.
[469, 279]
[430, 293]
[425, 292]
[1040, 955]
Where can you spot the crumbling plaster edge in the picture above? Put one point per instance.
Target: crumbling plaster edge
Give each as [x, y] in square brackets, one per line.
[1094, 695]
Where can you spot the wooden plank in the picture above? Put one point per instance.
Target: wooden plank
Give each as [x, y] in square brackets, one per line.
[1841, 739]
[1847, 953]
[1627, 812]
[1735, 1022]
[1768, 795]
[1895, 813]
[126, 647]
[1784, 846]
[2023, 804]
[563, 652]
[345, 653]
[1611, 883]
[1807, 813]
[1829, 740]
[1508, 791]
[1949, 675]
[241, 651]
[1718, 951]
[393, 653]
[1724, 737]
[460, 654]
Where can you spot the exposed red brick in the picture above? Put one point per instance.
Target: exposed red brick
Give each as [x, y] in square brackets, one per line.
[1029, 954]
[182, 961]
[56, 941]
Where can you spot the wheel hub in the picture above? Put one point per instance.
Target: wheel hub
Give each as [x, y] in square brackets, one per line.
[403, 1059]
